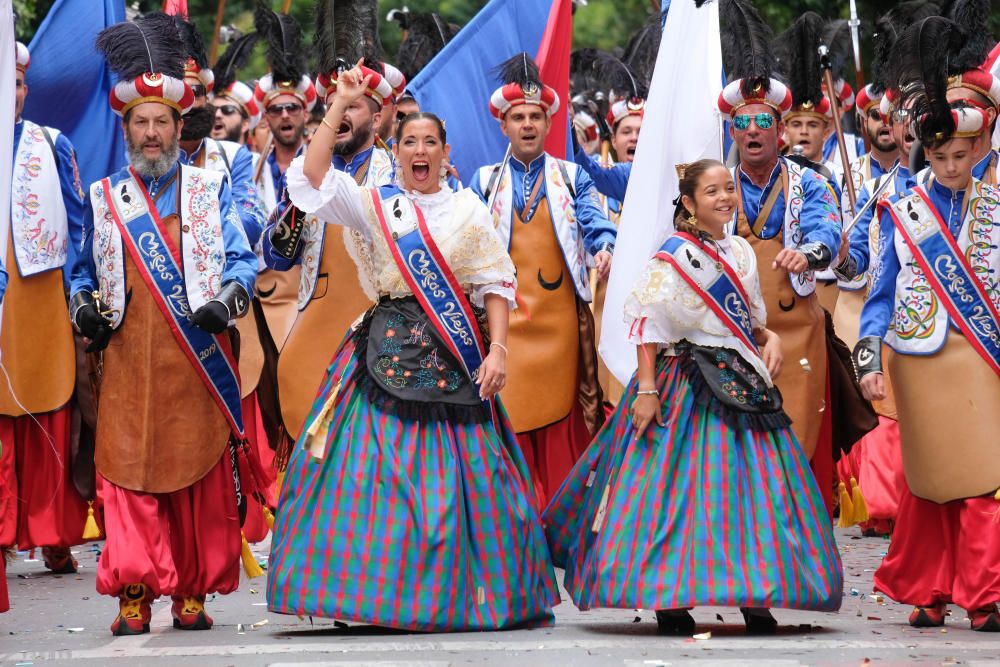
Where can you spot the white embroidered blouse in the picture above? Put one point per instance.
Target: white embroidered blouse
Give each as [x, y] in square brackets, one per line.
[662, 308]
[458, 222]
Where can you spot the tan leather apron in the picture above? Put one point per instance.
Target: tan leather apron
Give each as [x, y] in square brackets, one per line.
[320, 327]
[278, 292]
[801, 325]
[828, 295]
[158, 428]
[949, 421]
[36, 342]
[542, 371]
[251, 353]
[847, 316]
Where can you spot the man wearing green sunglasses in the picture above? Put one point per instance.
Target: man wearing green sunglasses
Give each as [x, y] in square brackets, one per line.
[791, 218]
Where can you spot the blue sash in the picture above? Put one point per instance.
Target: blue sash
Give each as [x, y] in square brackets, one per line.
[949, 274]
[431, 280]
[714, 280]
[158, 262]
[435, 286]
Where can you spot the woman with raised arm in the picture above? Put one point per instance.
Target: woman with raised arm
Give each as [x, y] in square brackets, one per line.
[405, 503]
[696, 491]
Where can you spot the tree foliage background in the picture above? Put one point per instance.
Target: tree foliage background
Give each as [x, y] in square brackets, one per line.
[602, 23]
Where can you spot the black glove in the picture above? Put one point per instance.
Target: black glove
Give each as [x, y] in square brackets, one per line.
[88, 319]
[288, 222]
[213, 317]
[231, 302]
[847, 270]
[818, 256]
[867, 356]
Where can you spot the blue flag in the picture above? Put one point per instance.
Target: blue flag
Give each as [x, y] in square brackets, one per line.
[68, 84]
[457, 84]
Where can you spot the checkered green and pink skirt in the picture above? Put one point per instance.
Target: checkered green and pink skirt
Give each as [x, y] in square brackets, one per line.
[415, 524]
[699, 512]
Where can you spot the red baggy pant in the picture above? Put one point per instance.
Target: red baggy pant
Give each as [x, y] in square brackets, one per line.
[943, 553]
[39, 506]
[182, 543]
[255, 527]
[552, 451]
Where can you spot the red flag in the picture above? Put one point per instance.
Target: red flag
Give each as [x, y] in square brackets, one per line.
[553, 66]
[175, 7]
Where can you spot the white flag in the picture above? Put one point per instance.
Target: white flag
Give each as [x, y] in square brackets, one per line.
[681, 124]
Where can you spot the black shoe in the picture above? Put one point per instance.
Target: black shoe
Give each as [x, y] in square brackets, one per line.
[759, 621]
[674, 622]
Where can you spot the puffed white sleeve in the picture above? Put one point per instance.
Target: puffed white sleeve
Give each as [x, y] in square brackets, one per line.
[483, 262]
[648, 308]
[337, 201]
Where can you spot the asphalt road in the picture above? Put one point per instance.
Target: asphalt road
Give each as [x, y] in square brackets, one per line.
[61, 621]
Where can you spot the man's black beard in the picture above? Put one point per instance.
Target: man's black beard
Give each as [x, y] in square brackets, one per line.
[873, 142]
[153, 168]
[362, 137]
[294, 142]
[235, 134]
[198, 123]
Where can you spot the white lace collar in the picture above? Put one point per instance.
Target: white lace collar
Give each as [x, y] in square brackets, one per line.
[437, 207]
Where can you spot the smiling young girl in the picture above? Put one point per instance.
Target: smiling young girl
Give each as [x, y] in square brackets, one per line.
[696, 491]
[405, 499]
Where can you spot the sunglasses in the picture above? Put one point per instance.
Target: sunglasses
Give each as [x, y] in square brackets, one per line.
[199, 91]
[228, 109]
[275, 110]
[763, 120]
[900, 115]
[874, 114]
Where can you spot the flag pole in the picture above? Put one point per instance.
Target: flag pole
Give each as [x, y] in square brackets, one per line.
[214, 51]
[824, 54]
[859, 67]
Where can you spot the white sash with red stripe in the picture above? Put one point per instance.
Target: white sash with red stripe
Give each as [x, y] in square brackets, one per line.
[948, 272]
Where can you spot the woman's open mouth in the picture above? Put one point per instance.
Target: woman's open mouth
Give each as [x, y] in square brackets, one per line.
[421, 171]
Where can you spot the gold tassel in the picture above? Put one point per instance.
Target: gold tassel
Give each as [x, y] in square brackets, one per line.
[316, 434]
[846, 508]
[90, 529]
[250, 565]
[859, 503]
[279, 482]
[269, 517]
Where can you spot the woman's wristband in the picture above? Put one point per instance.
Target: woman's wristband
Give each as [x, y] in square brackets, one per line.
[501, 346]
[647, 392]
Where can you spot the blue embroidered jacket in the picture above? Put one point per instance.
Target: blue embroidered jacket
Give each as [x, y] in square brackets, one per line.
[241, 263]
[878, 308]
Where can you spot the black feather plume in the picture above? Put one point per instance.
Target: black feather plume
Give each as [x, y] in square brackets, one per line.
[149, 43]
[229, 64]
[641, 50]
[286, 53]
[192, 39]
[888, 29]
[797, 52]
[837, 37]
[346, 31]
[587, 89]
[746, 45]
[972, 17]
[922, 52]
[520, 69]
[426, 35]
